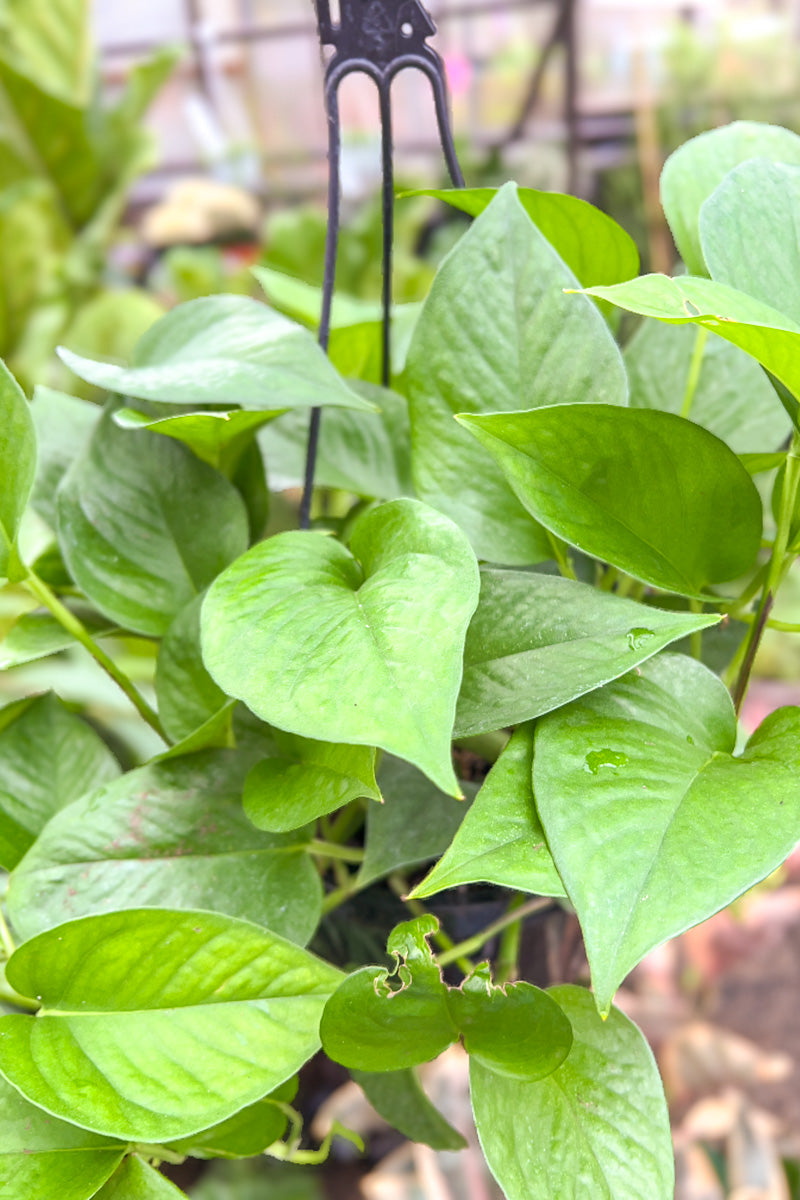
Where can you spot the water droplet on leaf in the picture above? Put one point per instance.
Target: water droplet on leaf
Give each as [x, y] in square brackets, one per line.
[596, 759]
[637, 638]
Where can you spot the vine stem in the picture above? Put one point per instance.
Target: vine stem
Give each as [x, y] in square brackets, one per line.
[6, 939]
[695, 367]
[470, 945]
[322, 849]
[68, 621]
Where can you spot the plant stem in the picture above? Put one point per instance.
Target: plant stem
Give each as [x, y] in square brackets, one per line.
[6, 940]
[506, 966]
[348, 822]
[322, 849]
[470, 945]
[340, 895]
[38, 588]
[695, 367]
[561, 556]
[696, 638]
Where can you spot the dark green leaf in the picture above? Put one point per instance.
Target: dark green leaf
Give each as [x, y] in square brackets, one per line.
[307, 779]
[187, 695]
[498, 334]
[517, 1031]
[63, 426]
[415, 823]
[597, 1127]
[733, 398]
[158, 1024]
[41, 1158]
[144, 525]
[48, 758]
[213, 436]
[652, 823]
[171, 834]
[379, 1020]
[501, 839]
[397, 1096]
[644, 490]
[538, 641]
[135, 1180]
[595, 248]
[243, 1135]
[693, 172]
[379, 632]
[224, 350]
[17, 464]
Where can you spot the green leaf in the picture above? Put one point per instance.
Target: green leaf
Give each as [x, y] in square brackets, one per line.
[307, 779]
[769, 336]
[48, 758]
[748, 232]
[41, 1158]
[538, 641]
[380, 633]
[135, 1180]
[415, 823]
[158, 1024]
[381, 1020]
[38, 635]
[693, 172]
[643, 490]
[517, 1031]
[187, 695]
[171, 834]
[224, 350]
[397, 1096]
[733, 398]
[17, 464]
[501, 840]
[597, 1127]
[246, 1133]
[63, 426]
[108, 325]
[51, 45]
[477, 350]
[595, 248]
[365, 453]
[215, 437]
[630, 781]
[144, 525]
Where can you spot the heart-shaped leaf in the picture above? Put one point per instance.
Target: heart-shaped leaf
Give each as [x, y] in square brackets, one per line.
[498, 334]
[41, 1158]
[158, 1024]
[379, 632]
[224, 350]
[748, 233]
[171, 834]
[144, 525]
[598, 1124]
[307, 779]
[517, 1031]
[639, 792]
[693, 172]
[48, 758]
[17, 465]
[501, 839]
[536, 642]
[595, 248]
[732, 397]
[385, 1021]
[644, 490]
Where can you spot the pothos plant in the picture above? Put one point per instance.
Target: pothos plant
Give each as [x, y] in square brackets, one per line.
[553, 550]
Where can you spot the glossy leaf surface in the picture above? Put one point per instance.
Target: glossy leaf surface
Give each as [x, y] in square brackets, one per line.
[598, 1126]
[224, 350]
[144, 525]
[652, 822]
[41, 1158]
[48, 758]
[187, 695]
[501, 839]
[643, 490]
[136, 1180]
[379, 633]
[213, 436]
[475, 351]
[63, 426]
[157, 1024]
[536, 642]
[595, 248]
[17, 463]
[697, 168]
[733, 398]
[397, 1096]
[307, 779]
[171, 834]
